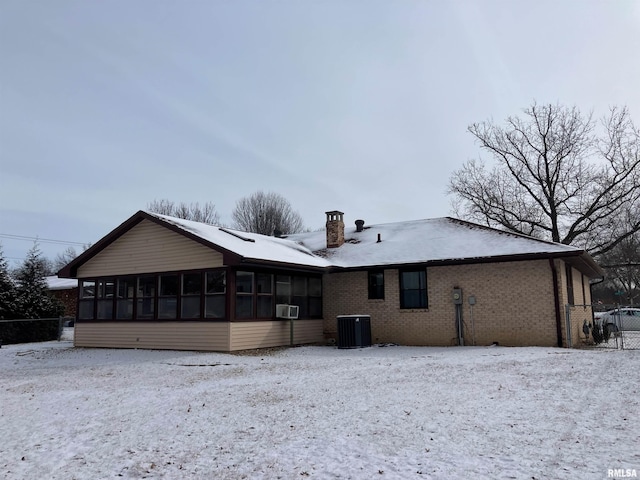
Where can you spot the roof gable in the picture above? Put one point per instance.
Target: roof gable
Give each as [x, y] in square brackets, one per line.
[236, 247]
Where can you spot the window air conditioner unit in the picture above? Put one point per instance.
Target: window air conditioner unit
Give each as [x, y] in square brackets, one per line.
[289, 312]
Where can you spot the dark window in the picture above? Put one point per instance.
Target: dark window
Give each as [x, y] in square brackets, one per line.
[191, 295]
[283, 289]
[124, 303]
[315, 297]
[300, 296]
[413, 289]
[304, 292]
[146, 296]
[106, 288]
[215, 290]
[196, 295]
[87, 299]
[244, 294]
[376, 284]
[264, 290]
[168, 297]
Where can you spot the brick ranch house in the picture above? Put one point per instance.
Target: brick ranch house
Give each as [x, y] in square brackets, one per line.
[166, 283]
[66, 291]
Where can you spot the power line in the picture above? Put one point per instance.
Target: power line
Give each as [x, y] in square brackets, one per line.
[38, 239]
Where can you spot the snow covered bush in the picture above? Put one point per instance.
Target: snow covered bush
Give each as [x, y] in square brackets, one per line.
[32, 297]
[25, 297]
[8, 296]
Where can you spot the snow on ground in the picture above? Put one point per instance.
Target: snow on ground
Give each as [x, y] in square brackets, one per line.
[318, 412]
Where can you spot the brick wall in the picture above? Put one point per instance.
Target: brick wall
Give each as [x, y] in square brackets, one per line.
[335, 229]
[69, 299]
[515, 305]
[581, 297]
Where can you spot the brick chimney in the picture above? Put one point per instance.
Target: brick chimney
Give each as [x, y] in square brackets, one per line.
[335, 229]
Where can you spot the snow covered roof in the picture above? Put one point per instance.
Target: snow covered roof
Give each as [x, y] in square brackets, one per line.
[55, 283]
[250, 246]
[439, 241]
[430, 240]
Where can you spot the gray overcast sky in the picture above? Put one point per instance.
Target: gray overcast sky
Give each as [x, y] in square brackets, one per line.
[360, 106]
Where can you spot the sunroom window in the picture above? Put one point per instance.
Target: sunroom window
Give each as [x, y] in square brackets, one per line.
[216, 288]
[87, 299]
[315, 297]
[264, 290]
[168, 298]
[305, 292]
[146, 297]
[300, 296]
[283, 289]
[106, 288]
[244, 294]
[191, 290]
[124, 303]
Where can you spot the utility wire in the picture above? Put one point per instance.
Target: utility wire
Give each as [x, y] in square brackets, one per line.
[38, 239]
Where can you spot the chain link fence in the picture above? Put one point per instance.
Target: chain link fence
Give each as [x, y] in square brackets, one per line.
[604, 326]
[27, 330]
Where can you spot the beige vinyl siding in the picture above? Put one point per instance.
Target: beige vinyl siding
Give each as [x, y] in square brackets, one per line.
[246, 335]
[207, 336]
[147, 248]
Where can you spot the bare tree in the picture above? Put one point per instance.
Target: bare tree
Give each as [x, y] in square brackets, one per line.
[266, 213]
[555, 177]
[622, 264]
[206, 213]
[64, 258]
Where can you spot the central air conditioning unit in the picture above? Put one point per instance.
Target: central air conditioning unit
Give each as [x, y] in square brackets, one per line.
[289, 312]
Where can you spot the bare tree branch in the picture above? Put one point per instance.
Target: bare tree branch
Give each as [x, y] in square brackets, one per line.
[555, 178]
[266, 213]
[206, 213]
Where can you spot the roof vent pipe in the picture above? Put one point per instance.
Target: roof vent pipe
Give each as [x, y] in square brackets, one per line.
[359, 225]
[379, 239]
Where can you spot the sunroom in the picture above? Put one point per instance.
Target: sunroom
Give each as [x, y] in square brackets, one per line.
[217, 294]
[161, 282]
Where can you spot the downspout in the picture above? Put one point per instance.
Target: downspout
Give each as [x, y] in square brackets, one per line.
[556, 301]
[599, 280]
